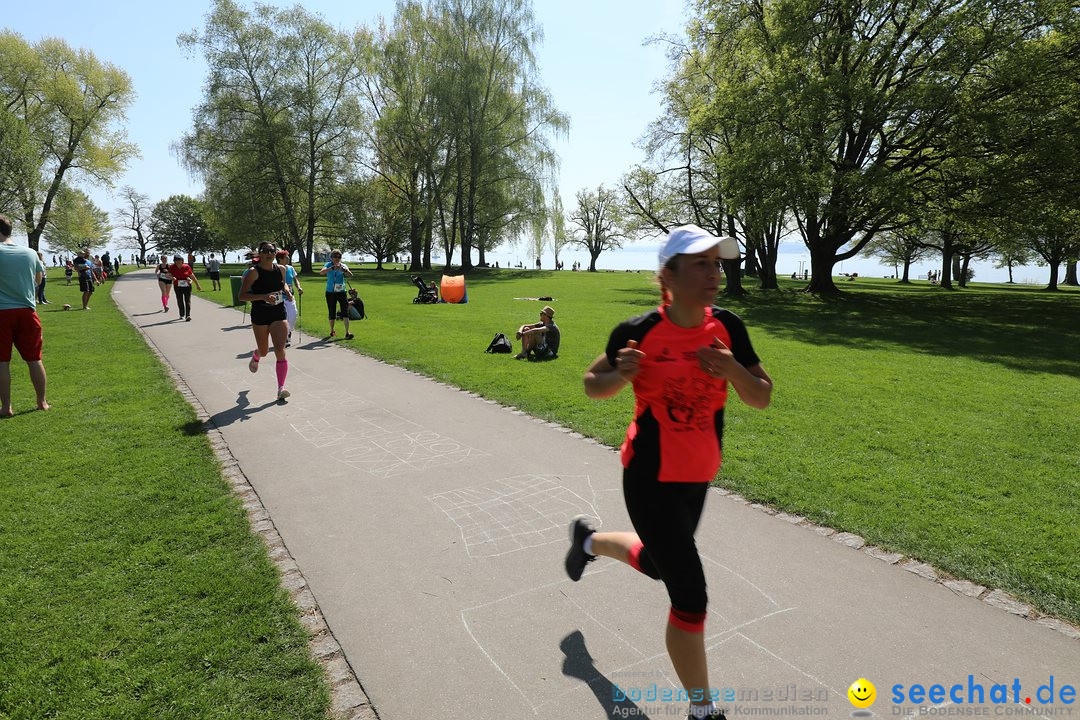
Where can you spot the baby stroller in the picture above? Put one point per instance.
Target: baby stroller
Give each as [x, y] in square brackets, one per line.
[424, 294]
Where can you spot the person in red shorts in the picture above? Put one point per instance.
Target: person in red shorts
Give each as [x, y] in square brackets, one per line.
[20, 273]
[680, 358]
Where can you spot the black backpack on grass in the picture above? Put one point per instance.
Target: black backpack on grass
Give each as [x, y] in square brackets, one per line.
[500, 344]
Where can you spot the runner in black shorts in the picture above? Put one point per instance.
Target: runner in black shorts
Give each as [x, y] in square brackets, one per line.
[164, 281]
[264, 286]
[680, 359]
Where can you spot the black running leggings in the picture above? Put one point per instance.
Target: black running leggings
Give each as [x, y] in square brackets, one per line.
[183, 300]
[333, 300]
[665, 517]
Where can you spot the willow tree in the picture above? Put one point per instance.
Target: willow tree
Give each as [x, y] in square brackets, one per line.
[277, 113]
[62, 114]
[402, 136]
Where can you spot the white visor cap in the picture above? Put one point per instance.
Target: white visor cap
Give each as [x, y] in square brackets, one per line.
[691, 239]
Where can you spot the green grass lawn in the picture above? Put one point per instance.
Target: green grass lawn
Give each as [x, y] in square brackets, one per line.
[130, 583]
[938, 424]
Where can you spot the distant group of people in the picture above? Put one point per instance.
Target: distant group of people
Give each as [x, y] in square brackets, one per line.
[934, 277]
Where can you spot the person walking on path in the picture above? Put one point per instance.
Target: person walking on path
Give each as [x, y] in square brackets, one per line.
[21, 269]
[164, 281]
[213, 266]
[680, 359]
[84, 265]
[40, 289]
[183, 276]
[294, 284]
[335, 272]
[265, 288]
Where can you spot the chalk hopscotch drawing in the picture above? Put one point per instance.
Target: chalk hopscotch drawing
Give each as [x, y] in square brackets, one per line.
[513, 513]
[368, 438]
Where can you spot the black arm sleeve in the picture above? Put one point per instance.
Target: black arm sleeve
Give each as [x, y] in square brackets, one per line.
[740, 339]
[633, 329]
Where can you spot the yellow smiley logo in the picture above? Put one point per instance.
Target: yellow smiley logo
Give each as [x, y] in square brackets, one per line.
[862, 693]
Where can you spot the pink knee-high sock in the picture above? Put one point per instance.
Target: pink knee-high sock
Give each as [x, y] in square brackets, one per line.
[164, 301]
[282, 369]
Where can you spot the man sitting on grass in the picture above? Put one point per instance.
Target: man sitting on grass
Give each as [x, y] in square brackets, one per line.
[540, 341]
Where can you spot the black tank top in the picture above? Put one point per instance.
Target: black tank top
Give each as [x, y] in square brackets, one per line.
[268, 281]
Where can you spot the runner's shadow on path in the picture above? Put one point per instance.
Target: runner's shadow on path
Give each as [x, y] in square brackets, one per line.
[578, 663]
[170, 321]
[235, 327]
[316, 344]
[243, 410]
[152, 312]
[246, 355]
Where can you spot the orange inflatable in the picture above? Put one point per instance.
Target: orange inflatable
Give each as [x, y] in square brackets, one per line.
[452, 289]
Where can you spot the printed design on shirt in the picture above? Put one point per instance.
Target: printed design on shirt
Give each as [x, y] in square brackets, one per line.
[689, 403]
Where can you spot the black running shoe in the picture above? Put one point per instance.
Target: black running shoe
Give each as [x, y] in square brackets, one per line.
[718, 715]
[576, 557]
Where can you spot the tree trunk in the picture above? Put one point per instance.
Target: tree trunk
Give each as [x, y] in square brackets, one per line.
[750, 261]
[592, 260]
[733, 278]
[1009, 264]
[1070, 274]
[906, 280]
[429, 226]
[415, 239]
[947, 252]
[1054, 266]
[957, 271]
[822, 261]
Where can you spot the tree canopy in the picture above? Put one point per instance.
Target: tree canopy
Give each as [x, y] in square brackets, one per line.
[61, 122]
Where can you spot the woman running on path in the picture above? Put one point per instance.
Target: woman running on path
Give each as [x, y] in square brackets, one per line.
[294, 284]
[680, 359]
[264, 287]
[164, 281]
[335, 272]
[183, 276]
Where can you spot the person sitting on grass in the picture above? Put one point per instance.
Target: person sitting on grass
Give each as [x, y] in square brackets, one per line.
[540, 341]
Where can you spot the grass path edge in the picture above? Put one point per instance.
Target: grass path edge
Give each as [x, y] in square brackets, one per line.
[349, 700]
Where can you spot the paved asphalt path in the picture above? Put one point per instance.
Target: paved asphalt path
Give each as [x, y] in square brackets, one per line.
[431, 527]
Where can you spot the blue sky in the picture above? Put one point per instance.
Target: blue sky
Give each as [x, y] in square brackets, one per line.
[594, 60]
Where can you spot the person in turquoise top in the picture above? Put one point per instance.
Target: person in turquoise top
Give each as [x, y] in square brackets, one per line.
[21, 270]
[336, 272]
